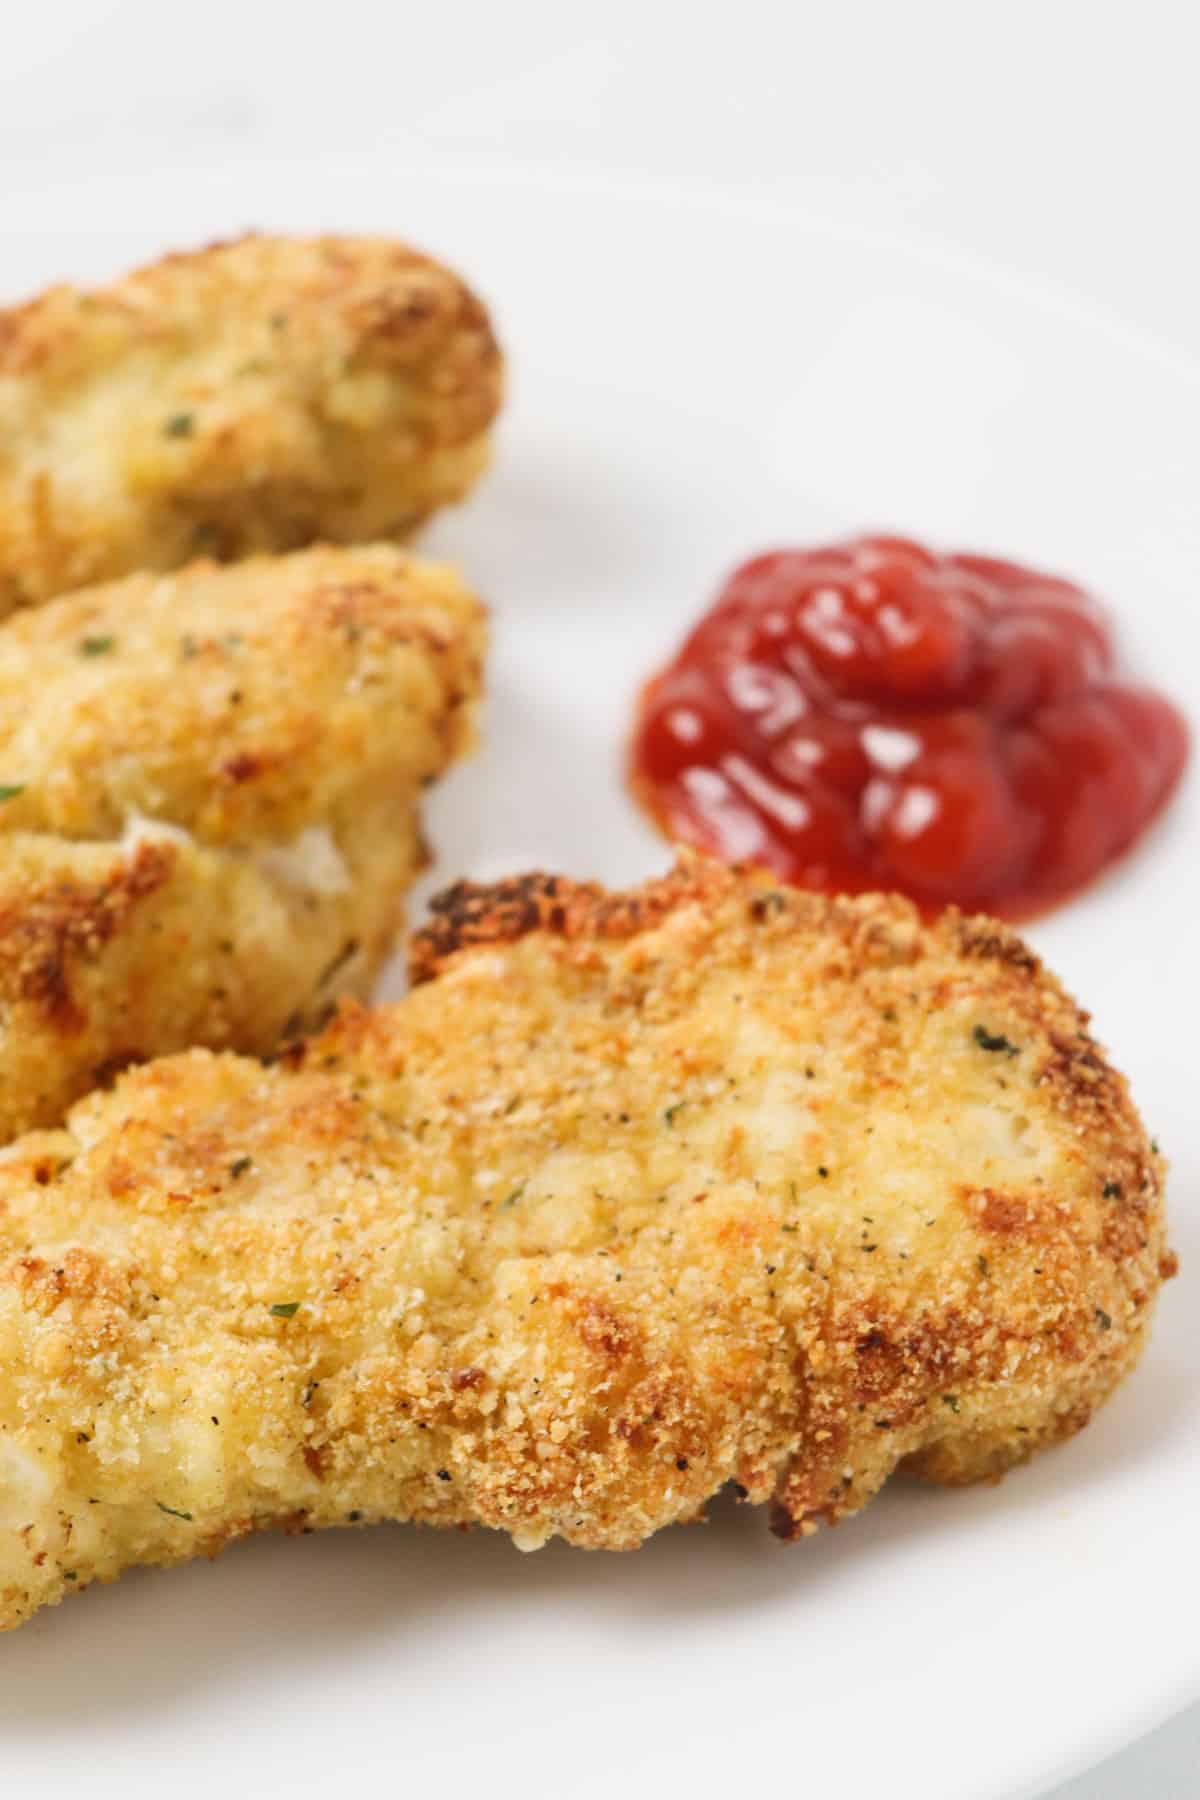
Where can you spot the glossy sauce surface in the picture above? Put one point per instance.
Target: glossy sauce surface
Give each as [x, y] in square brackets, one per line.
[871, 714]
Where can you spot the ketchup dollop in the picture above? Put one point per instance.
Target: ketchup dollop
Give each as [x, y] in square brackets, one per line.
[873, 715]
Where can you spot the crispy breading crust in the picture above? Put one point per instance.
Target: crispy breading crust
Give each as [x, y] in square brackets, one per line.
[212, 785]
[639, 1195]
[256, 395]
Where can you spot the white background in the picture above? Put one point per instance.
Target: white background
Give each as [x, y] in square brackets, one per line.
[1060, 140]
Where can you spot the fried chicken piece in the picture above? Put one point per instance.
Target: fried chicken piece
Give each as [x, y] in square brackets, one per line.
[256, 395]
[639, 1195]
[208, 809]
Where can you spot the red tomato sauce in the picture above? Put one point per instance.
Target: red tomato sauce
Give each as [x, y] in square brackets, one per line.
[873, 715]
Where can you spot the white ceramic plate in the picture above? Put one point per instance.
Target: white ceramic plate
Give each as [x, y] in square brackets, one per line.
[693, 380]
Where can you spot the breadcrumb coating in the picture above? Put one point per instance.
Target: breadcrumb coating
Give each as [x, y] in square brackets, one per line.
[209, 790]
[257, 395]
[635, 1196]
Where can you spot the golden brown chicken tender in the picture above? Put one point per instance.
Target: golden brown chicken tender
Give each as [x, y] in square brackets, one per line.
[640, 1195]
[257, 395]
[209, 786]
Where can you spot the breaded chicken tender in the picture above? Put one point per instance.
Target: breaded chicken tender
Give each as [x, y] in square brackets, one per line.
[209, 786]
[638, 1195]
[632, 1197]
[253, 396]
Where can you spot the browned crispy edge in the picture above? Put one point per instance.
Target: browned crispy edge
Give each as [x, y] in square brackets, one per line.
[23, 348]
[43, 929]
[471, 914]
